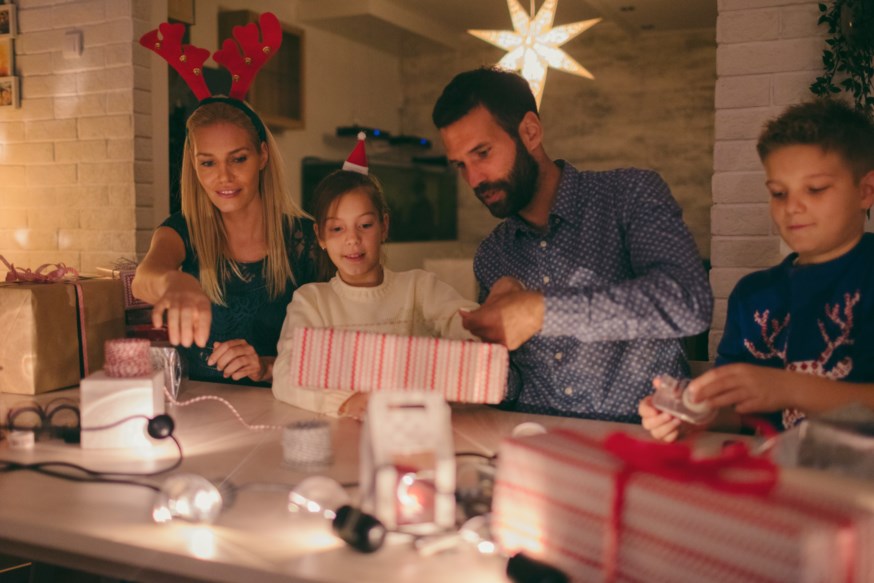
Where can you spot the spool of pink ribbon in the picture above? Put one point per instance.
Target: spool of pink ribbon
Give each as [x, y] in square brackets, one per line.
[127, 357]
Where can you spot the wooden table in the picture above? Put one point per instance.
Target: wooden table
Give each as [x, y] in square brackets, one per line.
[107, 529]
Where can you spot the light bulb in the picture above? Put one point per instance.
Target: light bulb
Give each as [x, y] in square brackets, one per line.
[189, 497]
[317, 495]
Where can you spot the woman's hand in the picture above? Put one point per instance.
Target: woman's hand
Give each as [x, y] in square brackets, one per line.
[188, 310]
[237, 359]
[355, 406]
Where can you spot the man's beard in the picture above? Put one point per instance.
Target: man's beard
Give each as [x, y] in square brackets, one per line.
[518, 187]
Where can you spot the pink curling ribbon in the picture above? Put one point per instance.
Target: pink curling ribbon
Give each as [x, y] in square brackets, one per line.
[734, 471]
[60, 273]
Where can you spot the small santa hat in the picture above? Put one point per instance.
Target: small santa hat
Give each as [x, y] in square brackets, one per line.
[357, 160]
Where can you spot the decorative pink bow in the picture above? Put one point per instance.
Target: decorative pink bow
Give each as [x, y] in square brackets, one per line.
[60, 273]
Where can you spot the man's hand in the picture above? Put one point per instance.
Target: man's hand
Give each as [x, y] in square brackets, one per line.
[509, 316]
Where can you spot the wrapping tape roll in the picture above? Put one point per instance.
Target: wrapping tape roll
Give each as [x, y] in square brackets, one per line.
[307, 443]
[127, 357]
[167, 358]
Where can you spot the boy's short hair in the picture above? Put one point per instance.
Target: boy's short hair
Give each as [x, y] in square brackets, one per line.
[505, 94]
[828, 123]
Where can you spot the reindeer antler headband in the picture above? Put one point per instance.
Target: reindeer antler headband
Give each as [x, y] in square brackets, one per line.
[243, 58]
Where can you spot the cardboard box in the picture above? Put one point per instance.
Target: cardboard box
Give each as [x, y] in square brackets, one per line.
[554, 500]
[40, 350]
[461, 370]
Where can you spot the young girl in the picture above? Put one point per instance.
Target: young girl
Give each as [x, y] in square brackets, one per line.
[351, 225]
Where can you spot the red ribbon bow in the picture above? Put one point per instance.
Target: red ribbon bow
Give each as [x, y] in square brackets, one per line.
[734, 471]
[60, 273]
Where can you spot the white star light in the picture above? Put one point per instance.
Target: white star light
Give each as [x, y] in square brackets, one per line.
[532, 47]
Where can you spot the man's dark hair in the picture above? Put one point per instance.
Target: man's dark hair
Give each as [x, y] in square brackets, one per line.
[828, 123]
[506, 95]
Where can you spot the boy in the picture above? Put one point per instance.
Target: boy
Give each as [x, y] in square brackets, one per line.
[799, 337]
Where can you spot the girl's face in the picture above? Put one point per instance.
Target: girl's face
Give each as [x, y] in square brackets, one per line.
[352, 235]
[227, 165]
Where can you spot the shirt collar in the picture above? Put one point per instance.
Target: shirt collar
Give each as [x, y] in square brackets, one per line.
[563, 206]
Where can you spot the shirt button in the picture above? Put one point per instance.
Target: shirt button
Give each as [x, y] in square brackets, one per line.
[543, 244]
[559, 355]
[545, 279]
[568, 391]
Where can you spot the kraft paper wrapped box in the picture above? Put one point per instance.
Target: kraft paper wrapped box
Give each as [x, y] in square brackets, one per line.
[41, 349]
[463, 371]
[565, 499]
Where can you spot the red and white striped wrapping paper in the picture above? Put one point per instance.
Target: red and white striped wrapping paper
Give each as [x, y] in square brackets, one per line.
[462, 371]
[553, 499]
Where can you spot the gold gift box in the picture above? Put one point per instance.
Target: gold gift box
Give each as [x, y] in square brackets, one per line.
[40, 350]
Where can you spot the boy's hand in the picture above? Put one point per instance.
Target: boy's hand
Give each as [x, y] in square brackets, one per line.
[747, 387]
[662, 426]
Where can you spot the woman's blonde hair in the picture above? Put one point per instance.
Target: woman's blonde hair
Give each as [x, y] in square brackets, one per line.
[205, 224]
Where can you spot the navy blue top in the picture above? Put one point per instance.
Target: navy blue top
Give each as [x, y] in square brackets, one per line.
[815, 319]
[249, 312]
[622, 281]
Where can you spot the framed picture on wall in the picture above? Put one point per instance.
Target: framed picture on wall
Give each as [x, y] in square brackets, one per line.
[9, 96]
[7, 58]
[7, 21]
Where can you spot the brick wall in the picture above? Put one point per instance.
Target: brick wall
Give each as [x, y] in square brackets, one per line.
[768, 53]
[75, 159]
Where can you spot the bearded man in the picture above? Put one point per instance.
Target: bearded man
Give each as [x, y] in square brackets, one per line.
[591, 280]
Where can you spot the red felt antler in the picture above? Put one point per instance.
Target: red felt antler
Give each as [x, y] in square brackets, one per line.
[245, 61]
[188, 60]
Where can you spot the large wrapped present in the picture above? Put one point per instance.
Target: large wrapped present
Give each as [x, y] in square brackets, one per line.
[53, 333]
[619, 509]
[462, 371]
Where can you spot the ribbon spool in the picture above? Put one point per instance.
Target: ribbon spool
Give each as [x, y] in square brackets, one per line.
[307, 443]
[127, 357]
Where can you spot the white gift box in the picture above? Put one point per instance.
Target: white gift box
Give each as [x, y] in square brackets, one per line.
[462, 371]
[108, 400]
[554, 500]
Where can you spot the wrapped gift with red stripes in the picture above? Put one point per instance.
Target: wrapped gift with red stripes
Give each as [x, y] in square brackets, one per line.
[462, 371]
[621, 509]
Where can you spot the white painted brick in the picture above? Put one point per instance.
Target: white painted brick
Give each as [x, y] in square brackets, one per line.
[24, 198]
[10, 133]
[743, 91]
[122, 9]
[31, 108]
[115, 126]
[144, 241]
[119, 102]
[39, 42]
[107, 33]
[32, 20]
[143, 57]
[94, 240]
[723, 279]
[123, 194]
[745, 251]
[27, 153]
[739, 187]
[120, 150]
[92, 59]
[51, 174]
[30, 65]
[81, 151]
[33, 259]
[729, 5]
[47, 86]
[11, 176]
[143, 149]
[740, 219]
[769, 57]
[105, 173]
[141, 27]
[119, 54]
[748, 25]
[13, 218]
[80, 106]
[50, 130]
[142, 101]
[792, 88]
[145, 217]
[79, 13]
[29, 239]
[144, 195]
[720, 311]
[742, 124]
[142, 77]
[735, 155]
[91, 197]
[143, 125]
[92, 260]
[144, 172]
[107, 218]
[52, 218]
[801, 21]
[108, 79]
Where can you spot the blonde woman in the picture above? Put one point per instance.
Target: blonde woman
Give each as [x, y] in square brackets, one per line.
[223, 270]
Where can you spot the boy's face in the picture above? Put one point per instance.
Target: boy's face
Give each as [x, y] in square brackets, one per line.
[816, 203]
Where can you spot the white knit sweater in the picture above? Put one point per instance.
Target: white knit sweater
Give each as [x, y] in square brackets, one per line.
[409, 303]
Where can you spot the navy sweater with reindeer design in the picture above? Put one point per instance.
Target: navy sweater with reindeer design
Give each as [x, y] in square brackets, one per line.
[813, 319]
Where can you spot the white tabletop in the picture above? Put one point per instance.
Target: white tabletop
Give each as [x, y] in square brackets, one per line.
[107, 528]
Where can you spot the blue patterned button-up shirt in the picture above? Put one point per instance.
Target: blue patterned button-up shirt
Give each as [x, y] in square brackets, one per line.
[622, 281]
